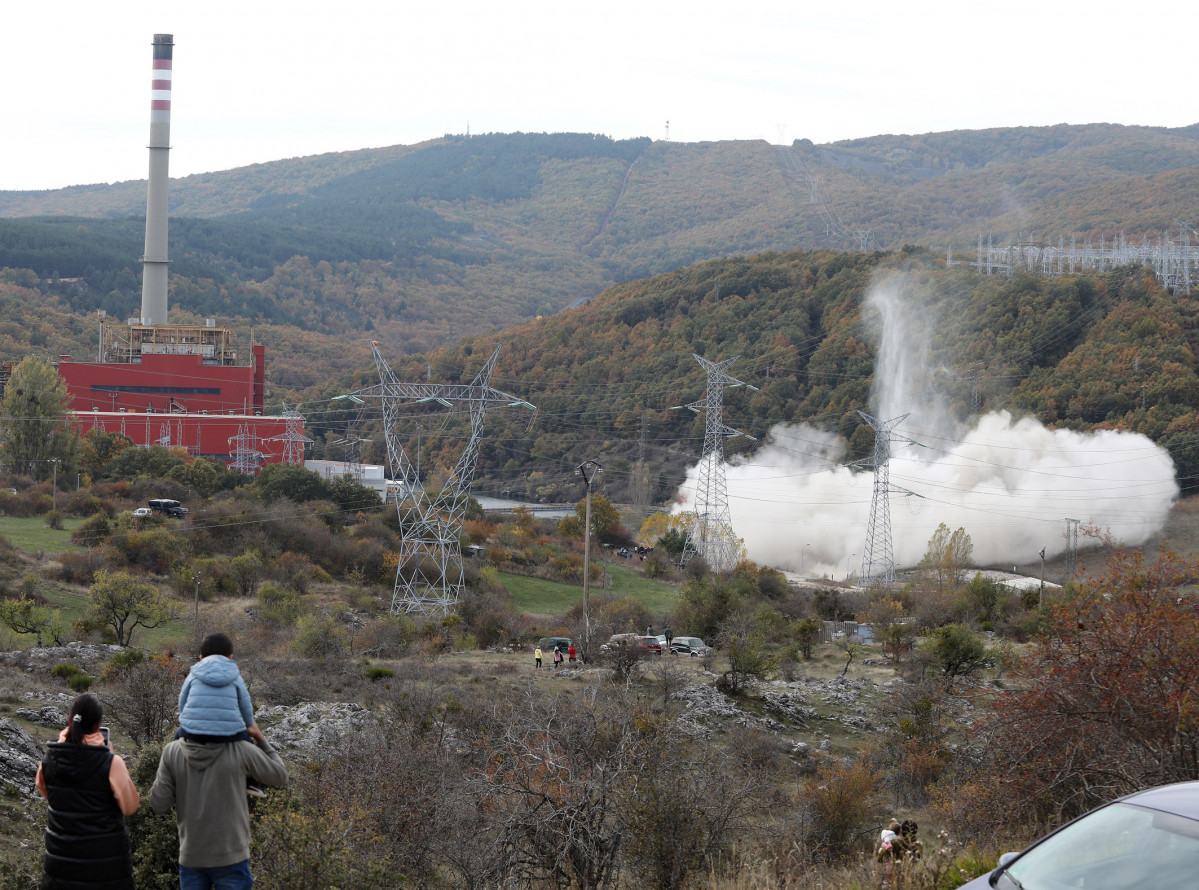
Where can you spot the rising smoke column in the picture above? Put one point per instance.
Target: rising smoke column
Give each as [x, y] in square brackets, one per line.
[1009, 482]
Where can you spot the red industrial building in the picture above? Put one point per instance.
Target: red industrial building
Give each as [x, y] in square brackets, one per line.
[181, 386]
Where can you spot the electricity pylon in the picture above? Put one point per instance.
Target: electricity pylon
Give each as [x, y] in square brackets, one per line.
[292, 437]
[1071, 547]
[247, 458]
[429, 574]
[878, 560]
[710, 531]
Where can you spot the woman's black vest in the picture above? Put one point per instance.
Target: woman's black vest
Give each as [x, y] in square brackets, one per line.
[87, 843]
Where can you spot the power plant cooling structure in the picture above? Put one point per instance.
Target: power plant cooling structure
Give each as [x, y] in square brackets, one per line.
[154, 261]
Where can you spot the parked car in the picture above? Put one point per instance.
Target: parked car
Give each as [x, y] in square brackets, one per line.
[168, 507]
[1149, 839]
[650, 644]
[142, 512]
[690, 646]
[619, 640]
[549, 644]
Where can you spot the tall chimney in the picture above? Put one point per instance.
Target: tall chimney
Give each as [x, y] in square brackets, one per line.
[154, 261]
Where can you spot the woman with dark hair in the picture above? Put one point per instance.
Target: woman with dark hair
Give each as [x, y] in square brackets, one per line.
[90, 793]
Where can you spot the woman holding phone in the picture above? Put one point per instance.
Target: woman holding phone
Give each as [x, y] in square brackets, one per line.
[90, 793]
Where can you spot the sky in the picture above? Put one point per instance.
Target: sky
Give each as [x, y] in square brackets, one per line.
[259, 80]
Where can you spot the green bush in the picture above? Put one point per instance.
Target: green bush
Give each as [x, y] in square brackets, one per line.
[319, 637]
[278, 604]
[122, 661]
[379, 673]
[65, 670]
[80, 682]
[94, 530]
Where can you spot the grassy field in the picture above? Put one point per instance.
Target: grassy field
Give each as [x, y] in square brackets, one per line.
[540, 597]
[31, 534]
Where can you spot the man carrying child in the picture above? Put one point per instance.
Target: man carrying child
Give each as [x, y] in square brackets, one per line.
[204, 771]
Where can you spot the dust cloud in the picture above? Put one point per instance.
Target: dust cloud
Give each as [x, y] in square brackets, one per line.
[1010, 482]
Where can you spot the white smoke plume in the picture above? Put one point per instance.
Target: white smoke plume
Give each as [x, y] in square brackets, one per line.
[1010, 483]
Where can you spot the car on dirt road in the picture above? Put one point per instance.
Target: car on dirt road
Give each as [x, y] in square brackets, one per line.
[693, 646]
[1147, 840]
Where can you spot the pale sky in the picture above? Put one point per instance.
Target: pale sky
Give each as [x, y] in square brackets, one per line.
[258, 81]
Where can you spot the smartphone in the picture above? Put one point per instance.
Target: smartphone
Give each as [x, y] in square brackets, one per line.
[104, 732]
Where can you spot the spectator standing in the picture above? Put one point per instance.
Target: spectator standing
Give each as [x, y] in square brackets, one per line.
[90, 793]
[206, 784]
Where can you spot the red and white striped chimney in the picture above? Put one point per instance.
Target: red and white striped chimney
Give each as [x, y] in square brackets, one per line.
[154, 261]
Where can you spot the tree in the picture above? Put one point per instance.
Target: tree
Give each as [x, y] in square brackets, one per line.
[658, 524]
[806, 632]
[959, 650]
[24, 616]
[203, 476]
[948, 556]
[34, 421]
[142, 695]
[122, 603]
[604, 518]
[247, 571]
[749, 659]
[96, 448]
[290, 481]
[1109, 702]
[891, 625]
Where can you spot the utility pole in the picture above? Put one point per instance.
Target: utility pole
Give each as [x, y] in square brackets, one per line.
[196, 577]
[54, 491]
[588, 469]
[1041, 596]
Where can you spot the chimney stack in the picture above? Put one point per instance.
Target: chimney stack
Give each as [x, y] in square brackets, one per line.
[154, 261]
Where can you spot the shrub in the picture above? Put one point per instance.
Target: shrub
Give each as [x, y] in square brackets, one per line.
[839, 809]
[92, 531]
[379, 673]
[319, 637]
[79, 568]
[65, 670]
[54, 520]
[749, 659]
[122, 661]
[80, 682]
[959, 650]
[806, 631]
[278, 604]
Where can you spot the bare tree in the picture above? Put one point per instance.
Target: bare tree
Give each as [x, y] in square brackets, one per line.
[143, 697]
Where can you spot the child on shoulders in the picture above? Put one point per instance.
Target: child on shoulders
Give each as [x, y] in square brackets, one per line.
[214, 704]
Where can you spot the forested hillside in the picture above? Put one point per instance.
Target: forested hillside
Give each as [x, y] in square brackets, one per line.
[417, 245]
[1081, 352]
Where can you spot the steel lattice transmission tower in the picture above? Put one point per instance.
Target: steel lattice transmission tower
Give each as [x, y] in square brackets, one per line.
[710, 531]
[246, 455]
[351, 442]
[292, 437]
[1071, 547]
[878, 559]
[429, 574]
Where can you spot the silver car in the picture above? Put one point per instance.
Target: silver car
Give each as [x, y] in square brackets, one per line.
[1147, 841]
